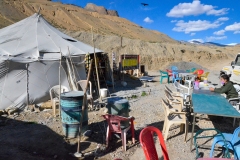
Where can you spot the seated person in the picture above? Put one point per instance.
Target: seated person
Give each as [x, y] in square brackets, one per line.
[227, 88]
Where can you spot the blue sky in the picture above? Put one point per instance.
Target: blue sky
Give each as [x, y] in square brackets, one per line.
[203, 20]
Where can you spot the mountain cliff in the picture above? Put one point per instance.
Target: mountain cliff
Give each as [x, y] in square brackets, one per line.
[113, 33]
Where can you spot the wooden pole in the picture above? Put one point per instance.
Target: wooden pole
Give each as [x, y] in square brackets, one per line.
[83, 107]
[60, 64]
[111, 70]
[95, 59]
[27, 85]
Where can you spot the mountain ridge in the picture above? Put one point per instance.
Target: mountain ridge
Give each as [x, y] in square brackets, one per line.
[115, 34]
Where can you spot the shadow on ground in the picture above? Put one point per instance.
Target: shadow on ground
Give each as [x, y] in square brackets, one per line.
[29, 140]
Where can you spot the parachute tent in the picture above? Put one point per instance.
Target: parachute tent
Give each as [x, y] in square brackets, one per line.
[35, 56]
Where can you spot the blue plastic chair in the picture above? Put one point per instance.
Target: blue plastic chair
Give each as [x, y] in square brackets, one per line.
[233, 142]
[191, 70]
[163, 75]
[175, 77]
[199, 136]
[174, 68]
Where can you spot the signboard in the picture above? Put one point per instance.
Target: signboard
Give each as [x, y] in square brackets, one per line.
[129, 62]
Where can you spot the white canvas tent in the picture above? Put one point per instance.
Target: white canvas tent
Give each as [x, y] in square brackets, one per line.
[30, 54]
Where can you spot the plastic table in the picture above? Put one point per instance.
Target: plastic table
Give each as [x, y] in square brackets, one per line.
[211, 103]
[183, 73]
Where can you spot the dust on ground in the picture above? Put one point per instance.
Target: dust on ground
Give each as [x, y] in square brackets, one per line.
[38, 135]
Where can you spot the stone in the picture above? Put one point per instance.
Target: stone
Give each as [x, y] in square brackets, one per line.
[4, 115]
[46, 105]
[36, 108]
[12, 111]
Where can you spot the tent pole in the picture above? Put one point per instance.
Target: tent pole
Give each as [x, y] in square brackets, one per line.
[73, 70]
[27, 85]
[95, 59]
[60, 64]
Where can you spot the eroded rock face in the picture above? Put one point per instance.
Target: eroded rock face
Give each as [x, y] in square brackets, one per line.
[100, 9]
[112, 13]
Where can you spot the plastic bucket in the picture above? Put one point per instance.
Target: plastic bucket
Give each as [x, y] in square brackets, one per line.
[118, 106]
[103, 92]
[71, 111]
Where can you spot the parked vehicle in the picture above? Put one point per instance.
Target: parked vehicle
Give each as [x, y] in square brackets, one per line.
[233, 71]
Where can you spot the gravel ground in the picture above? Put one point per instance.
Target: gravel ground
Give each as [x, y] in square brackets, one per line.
[31, 135]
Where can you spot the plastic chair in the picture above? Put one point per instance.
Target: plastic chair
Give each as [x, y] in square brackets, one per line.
[176, 102]
[198, 136]
[175, 76]
[185, 87]
[172, 92]
[148, 145]
[233, 142]
[163, 75]
[191, 70]
[173, 117]
[204, 75]
[185, 92]
[174, 68]
[54, 95]
[199, 73]
[114, 126]
[235, 102]
[169, 72]
[83, 85]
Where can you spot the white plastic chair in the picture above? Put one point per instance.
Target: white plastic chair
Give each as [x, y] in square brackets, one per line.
[83, 85]
[173, 117]
[54, 95]
[235, 102]
[175, 101]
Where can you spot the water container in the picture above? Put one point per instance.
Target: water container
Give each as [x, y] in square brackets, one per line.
[103, 92]
[196, 85]
[71, 111]
[118, 106]
[205, 80]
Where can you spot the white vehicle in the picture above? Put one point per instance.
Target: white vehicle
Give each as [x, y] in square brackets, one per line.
[233, 71]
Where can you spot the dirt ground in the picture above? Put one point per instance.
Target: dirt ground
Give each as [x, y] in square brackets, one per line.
[38, 135]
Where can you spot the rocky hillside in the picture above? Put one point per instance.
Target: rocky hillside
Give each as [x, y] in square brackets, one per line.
[113, 33]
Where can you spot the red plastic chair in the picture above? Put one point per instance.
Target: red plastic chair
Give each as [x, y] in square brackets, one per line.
[148, 145]
[169, 72]
[114, 126]
[199, 73]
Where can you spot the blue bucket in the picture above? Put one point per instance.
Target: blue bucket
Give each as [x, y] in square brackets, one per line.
[71, 111]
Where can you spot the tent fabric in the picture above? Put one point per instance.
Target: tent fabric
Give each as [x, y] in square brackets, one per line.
[34, 39]
[16, 84]
[30, 54]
